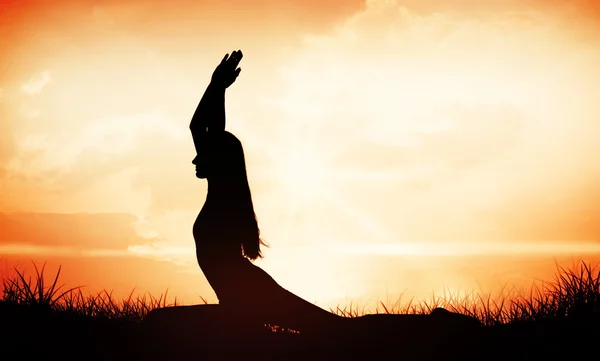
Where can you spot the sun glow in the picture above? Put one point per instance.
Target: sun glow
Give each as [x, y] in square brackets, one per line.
[301, 172]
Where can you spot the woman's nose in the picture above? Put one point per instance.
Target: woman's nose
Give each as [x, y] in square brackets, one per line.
[194, 160]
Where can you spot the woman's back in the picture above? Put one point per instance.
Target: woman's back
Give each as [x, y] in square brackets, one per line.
[218, 250]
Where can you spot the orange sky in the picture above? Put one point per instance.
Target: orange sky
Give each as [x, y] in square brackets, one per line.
[397, 132]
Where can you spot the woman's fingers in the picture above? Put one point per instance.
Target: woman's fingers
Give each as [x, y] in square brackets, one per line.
[227, 71]
[235, 58]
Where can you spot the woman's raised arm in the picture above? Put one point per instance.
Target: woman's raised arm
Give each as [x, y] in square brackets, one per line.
[210, 113]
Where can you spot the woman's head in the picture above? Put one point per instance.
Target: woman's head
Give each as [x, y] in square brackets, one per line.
[219, 155]
[220, 159]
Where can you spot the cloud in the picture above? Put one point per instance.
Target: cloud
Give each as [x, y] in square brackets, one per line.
[97, 235]
[103, 240]
[7, 139]
[37, 83]
[559, 247]
[127, 152]
[565, 212]
[433, 99]
[70, 230]
[164, 252]
[53, 251]
[466, 106]
[112, 136]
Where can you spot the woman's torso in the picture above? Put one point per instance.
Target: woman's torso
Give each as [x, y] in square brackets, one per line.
[219, 254]
[215, 236]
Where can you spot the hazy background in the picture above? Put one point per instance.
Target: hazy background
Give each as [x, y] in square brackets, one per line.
[391, 145]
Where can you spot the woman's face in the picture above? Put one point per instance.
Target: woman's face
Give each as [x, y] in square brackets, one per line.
[201, 163]
[217, 158]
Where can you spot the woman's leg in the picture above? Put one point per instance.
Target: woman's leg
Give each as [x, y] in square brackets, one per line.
[278, 306]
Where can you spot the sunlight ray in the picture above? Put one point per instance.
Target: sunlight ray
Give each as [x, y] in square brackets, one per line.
[363, 219]
[305, 178]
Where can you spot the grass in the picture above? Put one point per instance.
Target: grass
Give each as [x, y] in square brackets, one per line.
[36, 292]
[573, 293]
[553, 315]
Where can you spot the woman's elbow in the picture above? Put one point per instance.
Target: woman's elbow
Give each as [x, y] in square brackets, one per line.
[197, 127]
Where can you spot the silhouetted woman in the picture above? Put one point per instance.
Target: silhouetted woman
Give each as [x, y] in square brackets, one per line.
[226, 232]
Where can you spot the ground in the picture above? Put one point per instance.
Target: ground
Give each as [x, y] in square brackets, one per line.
[39, 332]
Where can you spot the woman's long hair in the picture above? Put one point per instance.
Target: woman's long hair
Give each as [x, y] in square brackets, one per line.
[229, 162]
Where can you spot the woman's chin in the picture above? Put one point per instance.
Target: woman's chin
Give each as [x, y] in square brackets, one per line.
[200, 175]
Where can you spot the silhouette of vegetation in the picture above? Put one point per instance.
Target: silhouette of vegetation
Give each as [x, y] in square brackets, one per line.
[573, 296]
[573, 293]
[22, 290]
